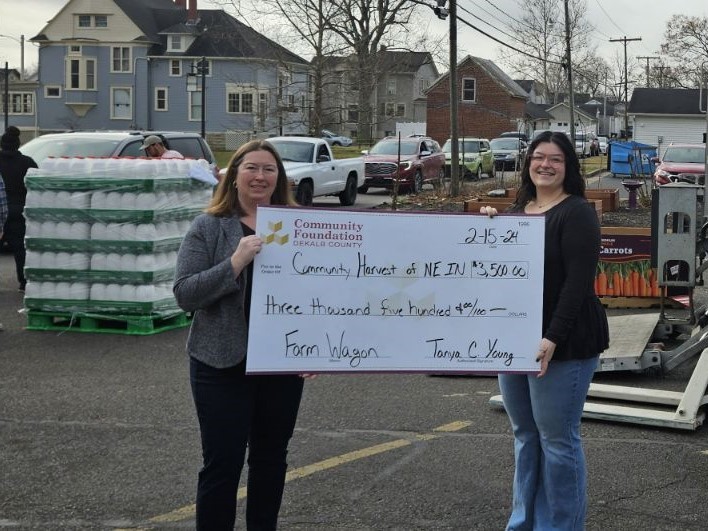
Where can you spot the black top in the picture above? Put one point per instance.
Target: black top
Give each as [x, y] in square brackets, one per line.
[573, 317]
[13, 167]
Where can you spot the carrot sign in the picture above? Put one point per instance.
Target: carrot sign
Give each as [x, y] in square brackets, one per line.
[625, 266]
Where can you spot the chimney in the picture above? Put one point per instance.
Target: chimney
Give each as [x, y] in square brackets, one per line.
[181, 3]
[192, 17]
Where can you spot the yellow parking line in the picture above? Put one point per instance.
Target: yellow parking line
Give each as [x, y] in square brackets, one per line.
[188, 511]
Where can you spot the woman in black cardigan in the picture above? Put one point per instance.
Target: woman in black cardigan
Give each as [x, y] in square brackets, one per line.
[545, 408]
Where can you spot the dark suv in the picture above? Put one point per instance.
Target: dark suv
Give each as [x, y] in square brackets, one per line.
[421, 160]
[114, 144]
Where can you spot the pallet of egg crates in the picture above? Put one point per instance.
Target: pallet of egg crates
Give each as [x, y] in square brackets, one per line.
[102, 239]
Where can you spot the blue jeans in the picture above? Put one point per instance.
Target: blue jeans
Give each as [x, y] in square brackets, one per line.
[234, 411]
[550, 476]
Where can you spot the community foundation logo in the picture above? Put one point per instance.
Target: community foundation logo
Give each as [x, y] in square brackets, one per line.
[273, 236]
[318, 233]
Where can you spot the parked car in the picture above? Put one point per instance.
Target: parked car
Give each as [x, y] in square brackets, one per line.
[602, 144]
[514, 134]
[508, 152]
[115, 144]
[681, 163]
[334, 139]
[313, 171]
[475, 156]
[421, 160]
[583, 143]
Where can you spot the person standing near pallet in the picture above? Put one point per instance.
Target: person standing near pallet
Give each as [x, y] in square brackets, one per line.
[235, 410]
[13, 168]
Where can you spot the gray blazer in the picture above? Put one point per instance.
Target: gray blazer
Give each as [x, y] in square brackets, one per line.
[205, 285]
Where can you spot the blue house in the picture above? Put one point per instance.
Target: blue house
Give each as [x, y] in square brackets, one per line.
[143, 64]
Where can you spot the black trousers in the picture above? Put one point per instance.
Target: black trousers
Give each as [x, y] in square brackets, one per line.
[14, 235]
[236, 411]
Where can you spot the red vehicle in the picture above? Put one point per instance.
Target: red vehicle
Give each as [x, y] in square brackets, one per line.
[421, 160]
[681, 163]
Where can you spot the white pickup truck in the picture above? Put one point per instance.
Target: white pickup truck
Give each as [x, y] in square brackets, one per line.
[313, 172]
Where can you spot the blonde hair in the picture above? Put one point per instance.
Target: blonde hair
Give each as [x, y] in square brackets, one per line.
[225, 203]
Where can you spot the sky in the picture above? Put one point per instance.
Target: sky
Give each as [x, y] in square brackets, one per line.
[613, 19]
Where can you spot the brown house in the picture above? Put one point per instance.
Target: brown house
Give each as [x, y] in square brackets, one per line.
[490, 102]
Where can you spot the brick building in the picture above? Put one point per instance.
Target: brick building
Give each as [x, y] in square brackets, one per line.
[490, 102]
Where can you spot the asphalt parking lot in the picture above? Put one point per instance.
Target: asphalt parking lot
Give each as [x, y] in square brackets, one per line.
[98, 432]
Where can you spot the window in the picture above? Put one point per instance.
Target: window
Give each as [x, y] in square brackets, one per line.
[161, 98]
[175, 67]
[469, 89]
[175, 42]
[241, 99]
[390, 109]
[20, 103]
[74, 49]
[247, 103]
[391, 87]
[195, 105]
[92, 21]
[401, 109]
[353, 113]
[52, 91]
[121, 59]
[121, 103]
[81, 74]
[423, 85]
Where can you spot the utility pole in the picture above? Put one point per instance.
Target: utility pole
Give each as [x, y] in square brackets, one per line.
[625, 40]
[454, 105]
[647, 68]
[442, 13]
[571, 92]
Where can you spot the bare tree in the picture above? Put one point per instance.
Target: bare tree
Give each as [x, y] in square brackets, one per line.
[366, 25]
[541, 39]
[686, 42]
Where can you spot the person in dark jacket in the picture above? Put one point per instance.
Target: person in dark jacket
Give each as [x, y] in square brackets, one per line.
[545, 409]
[13, 167]
[235, 410]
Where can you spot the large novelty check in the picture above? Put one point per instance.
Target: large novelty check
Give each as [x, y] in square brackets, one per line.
[343, 291]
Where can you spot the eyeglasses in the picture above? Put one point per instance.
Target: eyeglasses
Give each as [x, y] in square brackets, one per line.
[553, 160]
[255, 168]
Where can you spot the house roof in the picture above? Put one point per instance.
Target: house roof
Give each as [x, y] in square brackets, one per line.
[664, 101]
[152, 15]
[217, 33]
[405, 62]
[397, 62]
[592, 108]
[224, 36]
[493, 71]
[537, 111]
[585, 113]
[526, 84]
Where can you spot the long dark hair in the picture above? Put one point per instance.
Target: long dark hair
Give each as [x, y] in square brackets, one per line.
[225, 199]
[573, 183]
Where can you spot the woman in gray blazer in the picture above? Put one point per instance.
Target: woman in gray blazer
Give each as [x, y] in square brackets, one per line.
[235, 410]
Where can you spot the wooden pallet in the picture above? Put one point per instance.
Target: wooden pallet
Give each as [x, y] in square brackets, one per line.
[638, 302]
[104, 323]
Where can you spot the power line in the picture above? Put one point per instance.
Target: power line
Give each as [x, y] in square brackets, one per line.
[490, 25]
[505, 44]
[625, 40]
